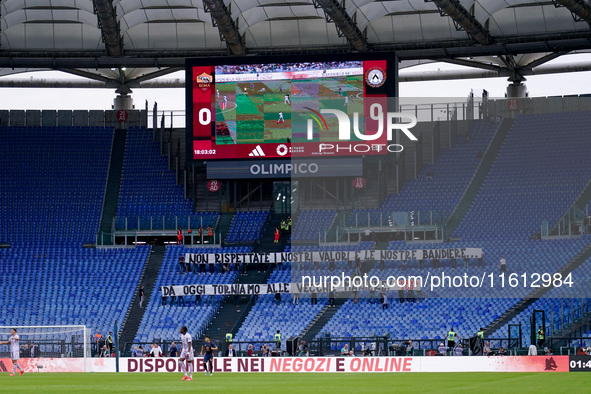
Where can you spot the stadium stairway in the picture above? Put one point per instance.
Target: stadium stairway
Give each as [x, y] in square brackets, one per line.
[321, 319]
[148, 278]
[266, 243]
[224, 223]
[113, 182]
[479, 177]
[230, 317]
[581, 200]
[538, 293]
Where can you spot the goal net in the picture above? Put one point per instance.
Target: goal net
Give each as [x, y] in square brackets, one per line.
[48, 341]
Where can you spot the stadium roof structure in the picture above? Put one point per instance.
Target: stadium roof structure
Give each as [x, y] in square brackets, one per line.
[130, 42]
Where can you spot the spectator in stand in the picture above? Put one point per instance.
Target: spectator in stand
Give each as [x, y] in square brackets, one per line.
[35, 351]
[209, 234]
[110, 341]
[105, 351]
[283, 227]
[314, 299]
[459, 350]
[540, 337]
[141, 351]
[230, 351]
[385, 303]
[265, 350]
[410, 348]
[442, 349]
[486, 348]
[503, 263]
[97, 338]
[200, 235]
[276, 239]
[134, 353]
[331, 298]
[501, 352]
[277, 339]
[173, 351]
[142, 294]
[345, 350]
[549, 352]
[182, 263]
[532, 350]
[250, 352]
[179, 236]
[277, 298]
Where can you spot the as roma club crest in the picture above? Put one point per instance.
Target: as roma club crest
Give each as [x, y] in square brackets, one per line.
[204, 81]
[375, 77]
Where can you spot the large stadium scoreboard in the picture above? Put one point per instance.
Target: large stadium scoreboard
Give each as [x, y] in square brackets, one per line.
[276, 108]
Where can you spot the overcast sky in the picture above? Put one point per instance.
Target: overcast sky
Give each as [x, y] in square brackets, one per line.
[174, 99]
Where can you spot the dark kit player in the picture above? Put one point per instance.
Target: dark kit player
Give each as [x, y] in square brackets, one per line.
[207, 352]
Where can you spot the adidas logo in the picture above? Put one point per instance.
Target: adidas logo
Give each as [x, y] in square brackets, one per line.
[258, 151]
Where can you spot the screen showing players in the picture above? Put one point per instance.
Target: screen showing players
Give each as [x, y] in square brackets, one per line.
[272, 110]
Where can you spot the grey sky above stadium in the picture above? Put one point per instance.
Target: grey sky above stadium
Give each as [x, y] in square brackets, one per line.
[130, 42]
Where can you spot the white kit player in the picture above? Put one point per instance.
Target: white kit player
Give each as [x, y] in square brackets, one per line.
[280, 120]
[217, 93]
[225, 103]
[287, 101]
[346, 101]
[186, 353]
[14, 351]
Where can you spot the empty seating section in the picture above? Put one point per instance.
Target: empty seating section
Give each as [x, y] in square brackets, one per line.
[164, 321]
[246, 226]
[428, 319]
[267, 315]
[52, 189]
[69, 286]
[53, 183]
[309, 223]
[149, 190]
[464, 309]
[561, 305]
[540, 170]
[450, 175]
[531, 181]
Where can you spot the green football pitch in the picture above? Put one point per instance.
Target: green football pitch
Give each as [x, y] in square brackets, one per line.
[296, 383]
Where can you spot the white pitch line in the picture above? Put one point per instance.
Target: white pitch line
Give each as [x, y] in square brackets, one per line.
[229, 109]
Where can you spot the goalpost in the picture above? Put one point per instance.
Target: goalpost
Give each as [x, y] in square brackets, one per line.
[49, 342]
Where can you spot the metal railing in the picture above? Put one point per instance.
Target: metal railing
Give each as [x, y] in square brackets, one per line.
[152, 223]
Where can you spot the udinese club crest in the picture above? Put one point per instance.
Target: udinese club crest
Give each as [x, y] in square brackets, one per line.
[375, 77]
[204, 81]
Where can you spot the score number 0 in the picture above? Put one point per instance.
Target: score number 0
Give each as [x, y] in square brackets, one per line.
[204, 116]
